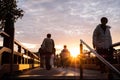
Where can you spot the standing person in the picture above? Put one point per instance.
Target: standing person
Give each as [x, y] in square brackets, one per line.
[65, 55]
[48, 47]
[102, 41]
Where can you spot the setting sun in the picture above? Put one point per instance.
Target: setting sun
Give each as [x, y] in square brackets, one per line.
[74, 52]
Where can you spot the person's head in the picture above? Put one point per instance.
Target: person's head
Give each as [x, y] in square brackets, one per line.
[65, 46]
[48, 35]
[104, 20]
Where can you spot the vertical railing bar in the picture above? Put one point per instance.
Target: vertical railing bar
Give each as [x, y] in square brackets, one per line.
[81, 67]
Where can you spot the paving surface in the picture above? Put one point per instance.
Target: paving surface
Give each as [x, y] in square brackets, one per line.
[59, 73]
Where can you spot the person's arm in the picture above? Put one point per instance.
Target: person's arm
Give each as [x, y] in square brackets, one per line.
[95, 35]
[53, 43]
[110, 37]
[54, 50]
[43, 44]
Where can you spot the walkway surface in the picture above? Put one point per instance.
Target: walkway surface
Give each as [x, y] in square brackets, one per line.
[58, 73]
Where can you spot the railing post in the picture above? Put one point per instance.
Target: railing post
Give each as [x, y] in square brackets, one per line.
[0, 60]
[81, 68]
[26, 61]
[9, 43]
[81, 48]
[19, 48]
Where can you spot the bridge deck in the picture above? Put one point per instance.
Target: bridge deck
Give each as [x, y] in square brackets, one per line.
[58, 73]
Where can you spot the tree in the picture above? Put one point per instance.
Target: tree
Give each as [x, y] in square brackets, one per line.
[9, 7]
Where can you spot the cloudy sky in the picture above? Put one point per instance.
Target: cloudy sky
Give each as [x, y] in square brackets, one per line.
[67, 20]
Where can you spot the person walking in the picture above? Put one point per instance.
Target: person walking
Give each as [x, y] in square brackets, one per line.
[41, 55]
[48, 48]
[102, 42]
[65, 55]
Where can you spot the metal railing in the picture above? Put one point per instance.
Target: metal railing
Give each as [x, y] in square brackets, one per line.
[110, 66]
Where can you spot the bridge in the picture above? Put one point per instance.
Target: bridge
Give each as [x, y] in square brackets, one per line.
[23, 64]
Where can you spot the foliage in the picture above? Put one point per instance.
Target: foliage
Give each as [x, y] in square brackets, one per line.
[9, 7]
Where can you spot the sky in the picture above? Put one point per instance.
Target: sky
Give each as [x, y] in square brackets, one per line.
[67, 20]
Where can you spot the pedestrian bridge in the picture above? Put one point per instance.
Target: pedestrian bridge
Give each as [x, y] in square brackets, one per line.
[58, 73]
[23, 64]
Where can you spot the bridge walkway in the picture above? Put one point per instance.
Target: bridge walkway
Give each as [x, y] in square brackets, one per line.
[58, 73]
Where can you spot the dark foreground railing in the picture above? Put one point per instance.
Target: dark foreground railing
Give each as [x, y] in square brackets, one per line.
[110, 66]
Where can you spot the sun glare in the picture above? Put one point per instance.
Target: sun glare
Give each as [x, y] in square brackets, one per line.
[74, 52]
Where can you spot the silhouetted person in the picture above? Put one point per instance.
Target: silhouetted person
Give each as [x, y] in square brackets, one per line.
[65, 55]
[42, 56]
[48, 47]
[102, 41]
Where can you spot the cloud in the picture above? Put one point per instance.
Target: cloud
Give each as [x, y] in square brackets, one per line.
[64, 19]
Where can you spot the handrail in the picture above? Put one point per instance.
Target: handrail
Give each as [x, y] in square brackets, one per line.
[102, 59]
[5, 49]
[18, 43]
[2, 33]
[116, 44]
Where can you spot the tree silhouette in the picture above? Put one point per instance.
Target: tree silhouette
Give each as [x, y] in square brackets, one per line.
[9, 13]
[9, 7]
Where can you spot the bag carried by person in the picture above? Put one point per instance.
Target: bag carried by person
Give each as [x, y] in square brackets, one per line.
[41, 51]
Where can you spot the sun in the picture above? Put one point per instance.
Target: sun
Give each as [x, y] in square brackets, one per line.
[74, 52]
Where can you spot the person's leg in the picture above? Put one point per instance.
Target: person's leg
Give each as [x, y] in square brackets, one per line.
[61, 62]
[100, 63]
[67, 62]
[64, 62]
[52, 61]
[42, 61]
[47, 61]
[102, 67]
